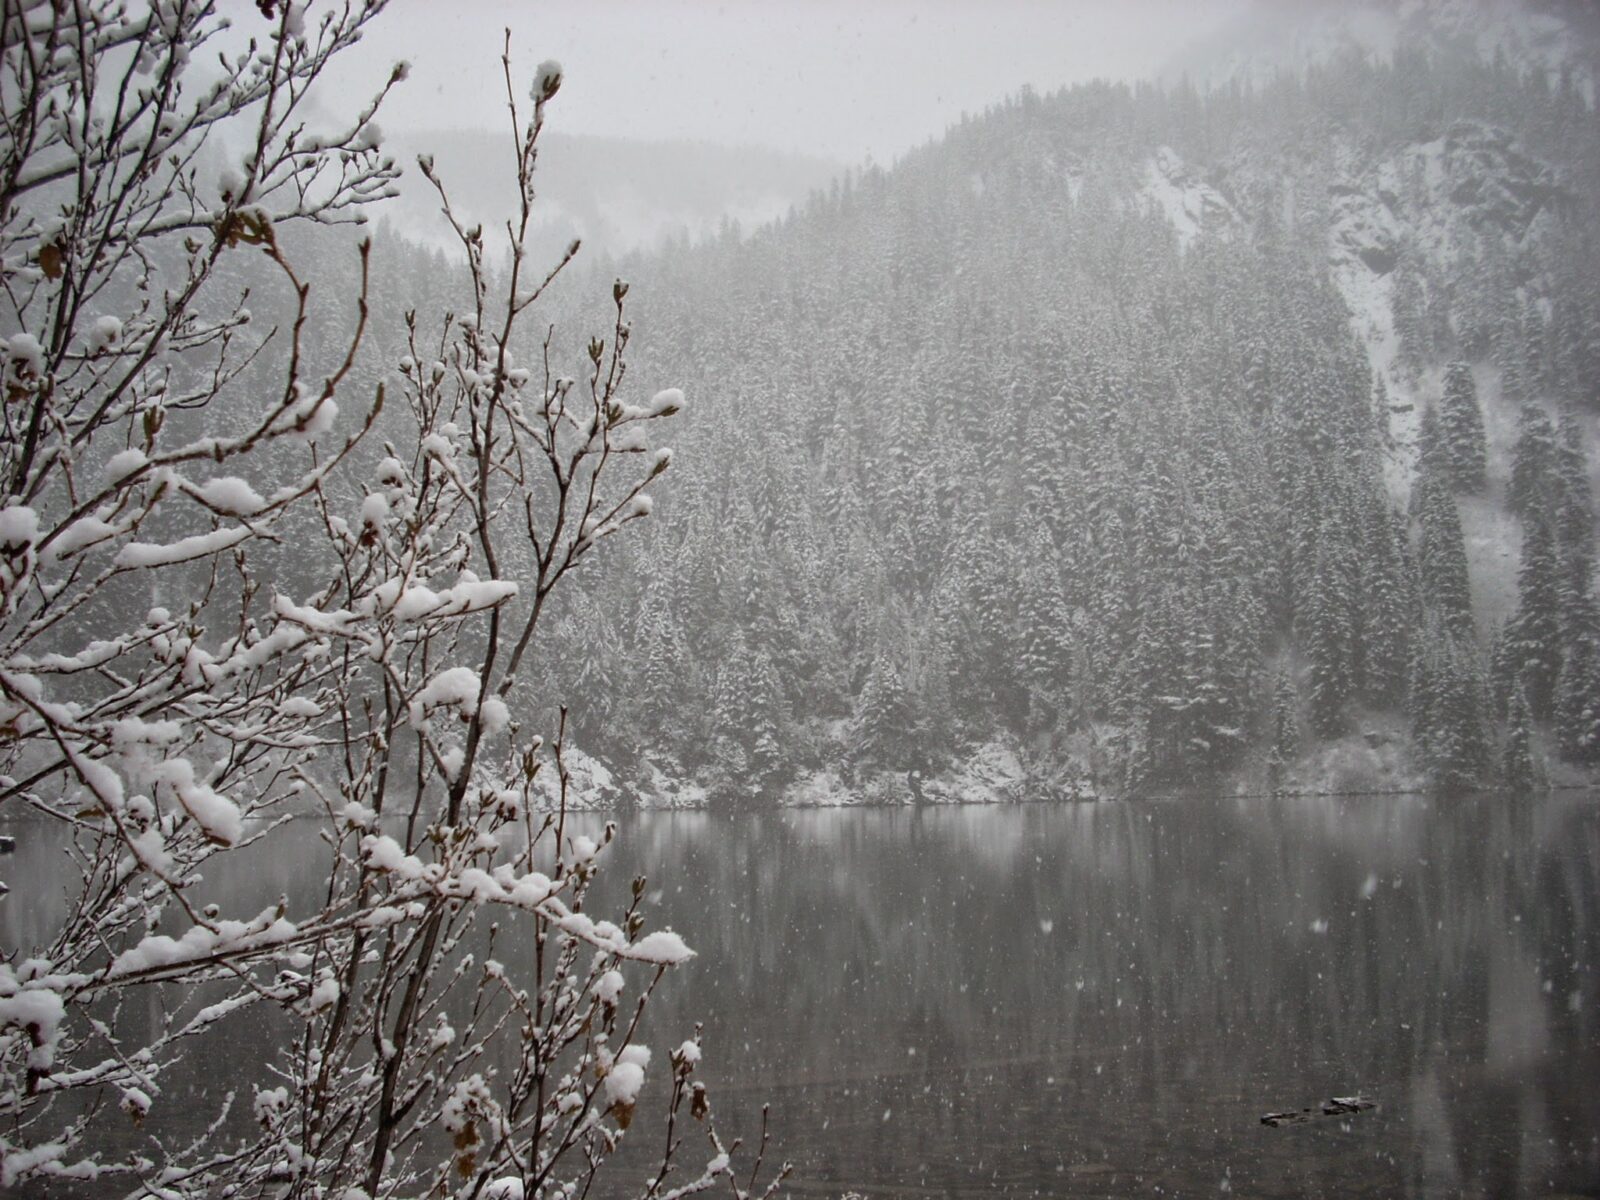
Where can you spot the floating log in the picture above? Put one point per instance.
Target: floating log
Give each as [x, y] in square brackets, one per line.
[7, 843]
[1339, 1106]
[1296, 1117]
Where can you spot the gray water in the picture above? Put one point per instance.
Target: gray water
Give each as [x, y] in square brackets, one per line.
[1103, 999]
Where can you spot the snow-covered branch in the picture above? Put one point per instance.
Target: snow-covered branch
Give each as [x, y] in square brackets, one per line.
[226, 613]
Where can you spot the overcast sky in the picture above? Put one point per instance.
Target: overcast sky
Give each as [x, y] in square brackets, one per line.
[838, 79]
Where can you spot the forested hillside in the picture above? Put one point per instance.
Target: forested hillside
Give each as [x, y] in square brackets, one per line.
[1141, 439]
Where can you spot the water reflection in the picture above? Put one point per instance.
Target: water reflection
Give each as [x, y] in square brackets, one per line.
[1102, 999]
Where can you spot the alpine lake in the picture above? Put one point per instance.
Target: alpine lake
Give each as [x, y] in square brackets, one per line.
[1092, 999]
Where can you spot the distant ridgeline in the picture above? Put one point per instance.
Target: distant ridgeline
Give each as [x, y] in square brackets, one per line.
[1175, 440]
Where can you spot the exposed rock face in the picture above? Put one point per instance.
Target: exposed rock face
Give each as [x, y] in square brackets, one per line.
[1181, 194]
[1472, 178]
[1438, 199]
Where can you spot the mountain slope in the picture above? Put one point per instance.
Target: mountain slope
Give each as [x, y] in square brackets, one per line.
[1163, 438]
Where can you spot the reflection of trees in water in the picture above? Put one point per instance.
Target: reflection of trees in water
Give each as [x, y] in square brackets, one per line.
[837, 943]
[1105, 997]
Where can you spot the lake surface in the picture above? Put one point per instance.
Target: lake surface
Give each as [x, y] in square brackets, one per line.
[1103, 999]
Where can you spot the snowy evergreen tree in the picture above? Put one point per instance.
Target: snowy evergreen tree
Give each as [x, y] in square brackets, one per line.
[1100, 483]
[1448, 720]
[1533, 635]
[1533, 463]
[1043, 656]
[1442, 555]
[748, 740]
[1574, 526]
[1577, 705]
[1285, 737]
[1386, 610]
[883, 729]
[1517, 769]
[1329, 640]
[1461, 429]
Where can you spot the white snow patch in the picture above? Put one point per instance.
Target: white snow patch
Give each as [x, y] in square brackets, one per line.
[663, 947]
[609, 986]
[623, 1084]
[124, 463]
[19, 526]
[105, 333]
[989, 775]
[147, 554]
[230, 494]
[1190, 205]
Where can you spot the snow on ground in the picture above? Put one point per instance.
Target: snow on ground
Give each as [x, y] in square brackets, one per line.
[590, 782]
[1364, 236]
[819, 789]
[990, 774]
[1501, 420]
[1492, 535]
[1376, 758]
[1368, 296]
[660, 790]
[1190, 205]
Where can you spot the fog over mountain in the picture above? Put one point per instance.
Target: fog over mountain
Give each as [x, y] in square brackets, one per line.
[617, 195]
[1552, 37]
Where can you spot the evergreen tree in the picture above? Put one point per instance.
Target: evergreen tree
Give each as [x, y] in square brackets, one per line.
[658, 648]
[883, 729]
[1533, 636]
[1533, 462]
[969, 607]
[1574, 525]
[1285, 746]
[1101, 479]
[590, 654]
[1328, 638]
[1447, 710]
[1461, 429]
[748, 739]
[1042, 657]
[1432, 454]
[1386, 610]
[1442, 555]
[1577, 707]
[1517, 770]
